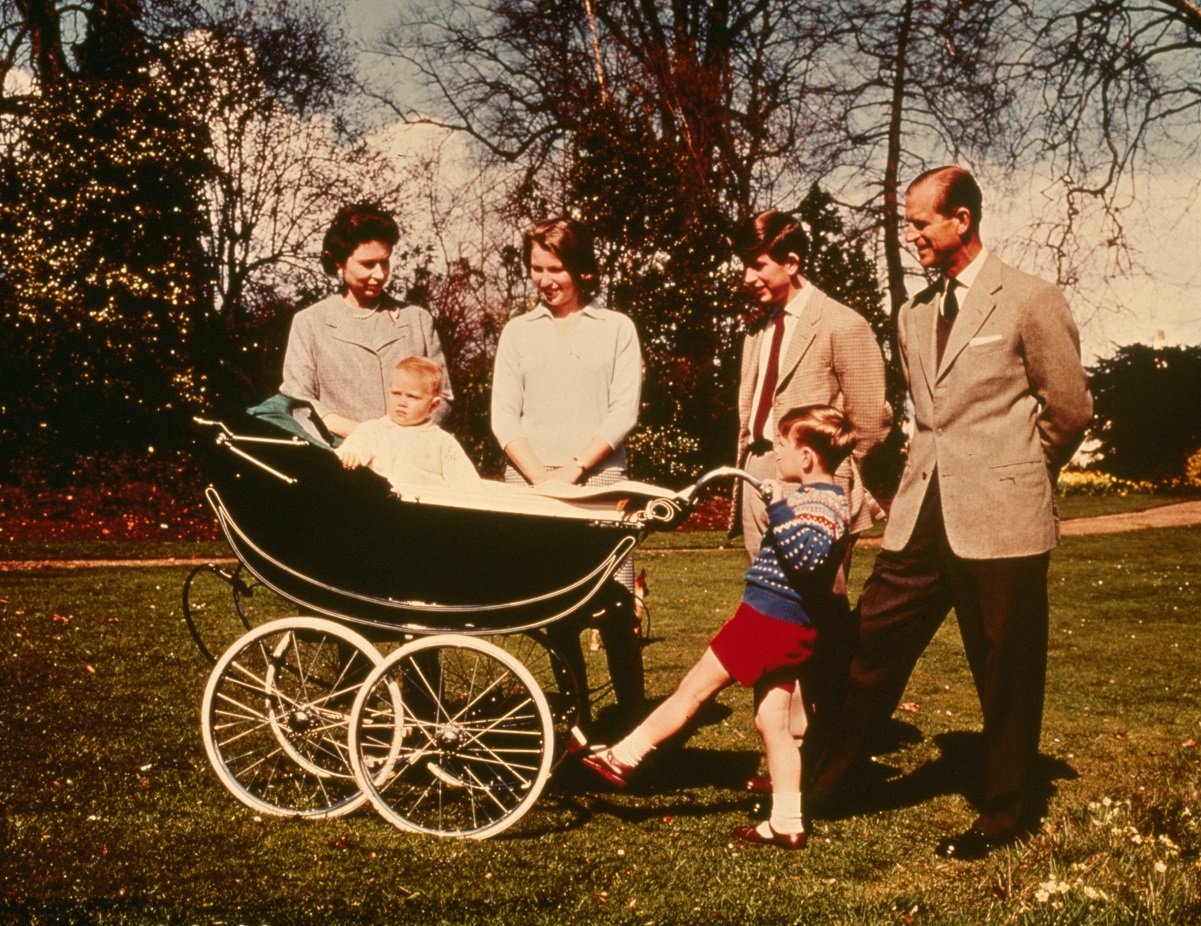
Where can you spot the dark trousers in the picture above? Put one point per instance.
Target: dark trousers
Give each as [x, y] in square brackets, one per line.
[1001, 607]
[612, 611]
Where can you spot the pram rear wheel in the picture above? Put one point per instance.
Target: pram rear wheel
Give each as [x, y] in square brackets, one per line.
[275, 716]
[565, 695]
[476, 737]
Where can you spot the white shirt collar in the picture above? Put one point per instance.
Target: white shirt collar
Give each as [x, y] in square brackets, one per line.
[967, 276]
[796, 305]
[589, 308]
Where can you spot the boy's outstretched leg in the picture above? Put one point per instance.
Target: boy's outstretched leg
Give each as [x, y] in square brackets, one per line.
[702, 682]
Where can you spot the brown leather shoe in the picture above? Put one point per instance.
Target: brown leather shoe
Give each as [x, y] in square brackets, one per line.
[759, 783]
[603, 763]
[752, 835]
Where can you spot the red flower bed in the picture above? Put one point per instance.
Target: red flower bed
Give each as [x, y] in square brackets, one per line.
[711, 513]
[140, 500]
[123, 499]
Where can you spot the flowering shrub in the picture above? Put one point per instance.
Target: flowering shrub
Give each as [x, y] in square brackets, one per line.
[1192, 470]
[664, 455]
[710, 513]
[1090, 482]
[125, 497]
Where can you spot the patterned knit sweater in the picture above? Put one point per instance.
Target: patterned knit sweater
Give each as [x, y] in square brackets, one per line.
[794, 571]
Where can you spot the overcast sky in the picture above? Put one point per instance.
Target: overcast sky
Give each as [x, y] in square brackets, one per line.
[1163, 222]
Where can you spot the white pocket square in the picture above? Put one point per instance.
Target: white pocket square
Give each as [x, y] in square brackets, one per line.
[986, 339]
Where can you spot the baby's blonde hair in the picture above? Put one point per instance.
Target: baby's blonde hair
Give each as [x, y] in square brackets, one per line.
[823, 429]
[428, 371]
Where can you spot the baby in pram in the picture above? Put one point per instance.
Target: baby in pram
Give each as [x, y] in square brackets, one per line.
[405, 445]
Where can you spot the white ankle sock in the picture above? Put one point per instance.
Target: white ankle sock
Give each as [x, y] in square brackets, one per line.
[786, 813]
[633, 749]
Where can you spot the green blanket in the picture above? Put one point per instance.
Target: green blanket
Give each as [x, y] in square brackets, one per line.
[286, 412]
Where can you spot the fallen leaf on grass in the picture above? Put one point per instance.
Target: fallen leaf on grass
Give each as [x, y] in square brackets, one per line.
[1189, 743]
[61, 619]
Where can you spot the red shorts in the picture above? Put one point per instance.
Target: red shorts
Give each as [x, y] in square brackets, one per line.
[752, 645]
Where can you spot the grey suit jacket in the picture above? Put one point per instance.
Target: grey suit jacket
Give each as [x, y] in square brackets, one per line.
[343, 364]
[832, 359]
[1006, 408]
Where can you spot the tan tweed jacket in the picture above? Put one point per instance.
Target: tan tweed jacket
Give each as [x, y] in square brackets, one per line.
[832, 359]
[1004, 410]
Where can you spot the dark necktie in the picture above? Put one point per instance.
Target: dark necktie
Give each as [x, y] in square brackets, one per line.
[767, 391]
[946, 318]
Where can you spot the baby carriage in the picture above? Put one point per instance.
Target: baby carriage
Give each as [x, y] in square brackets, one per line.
[389, 687]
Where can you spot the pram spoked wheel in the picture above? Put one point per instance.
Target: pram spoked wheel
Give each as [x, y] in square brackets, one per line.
[565, 694]
[275, 716]
[476, 737]
[207, 593]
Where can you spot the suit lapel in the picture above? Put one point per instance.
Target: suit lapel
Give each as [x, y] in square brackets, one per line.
[802, 336]
[748, 381]
[977, 307]
[921, 333]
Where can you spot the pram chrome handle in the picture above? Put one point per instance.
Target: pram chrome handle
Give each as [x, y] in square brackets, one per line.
[722, 472]
[228, 435]
[228, 439]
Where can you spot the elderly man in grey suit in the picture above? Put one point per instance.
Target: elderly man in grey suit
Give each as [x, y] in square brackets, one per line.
[991, 356]
[809, 349]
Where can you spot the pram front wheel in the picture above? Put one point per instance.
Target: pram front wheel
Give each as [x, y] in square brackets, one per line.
[476, 737]
[275, 716]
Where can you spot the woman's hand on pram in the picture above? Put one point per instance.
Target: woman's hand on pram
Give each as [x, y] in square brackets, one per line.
[569, 474]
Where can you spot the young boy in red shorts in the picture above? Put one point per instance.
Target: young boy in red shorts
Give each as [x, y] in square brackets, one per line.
[772, 633]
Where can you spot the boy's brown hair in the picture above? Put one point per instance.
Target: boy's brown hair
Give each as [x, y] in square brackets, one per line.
[823, 429]
[429, 372]
[776, 234]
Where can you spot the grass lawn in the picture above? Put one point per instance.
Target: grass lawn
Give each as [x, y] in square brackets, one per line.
[113, 816]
